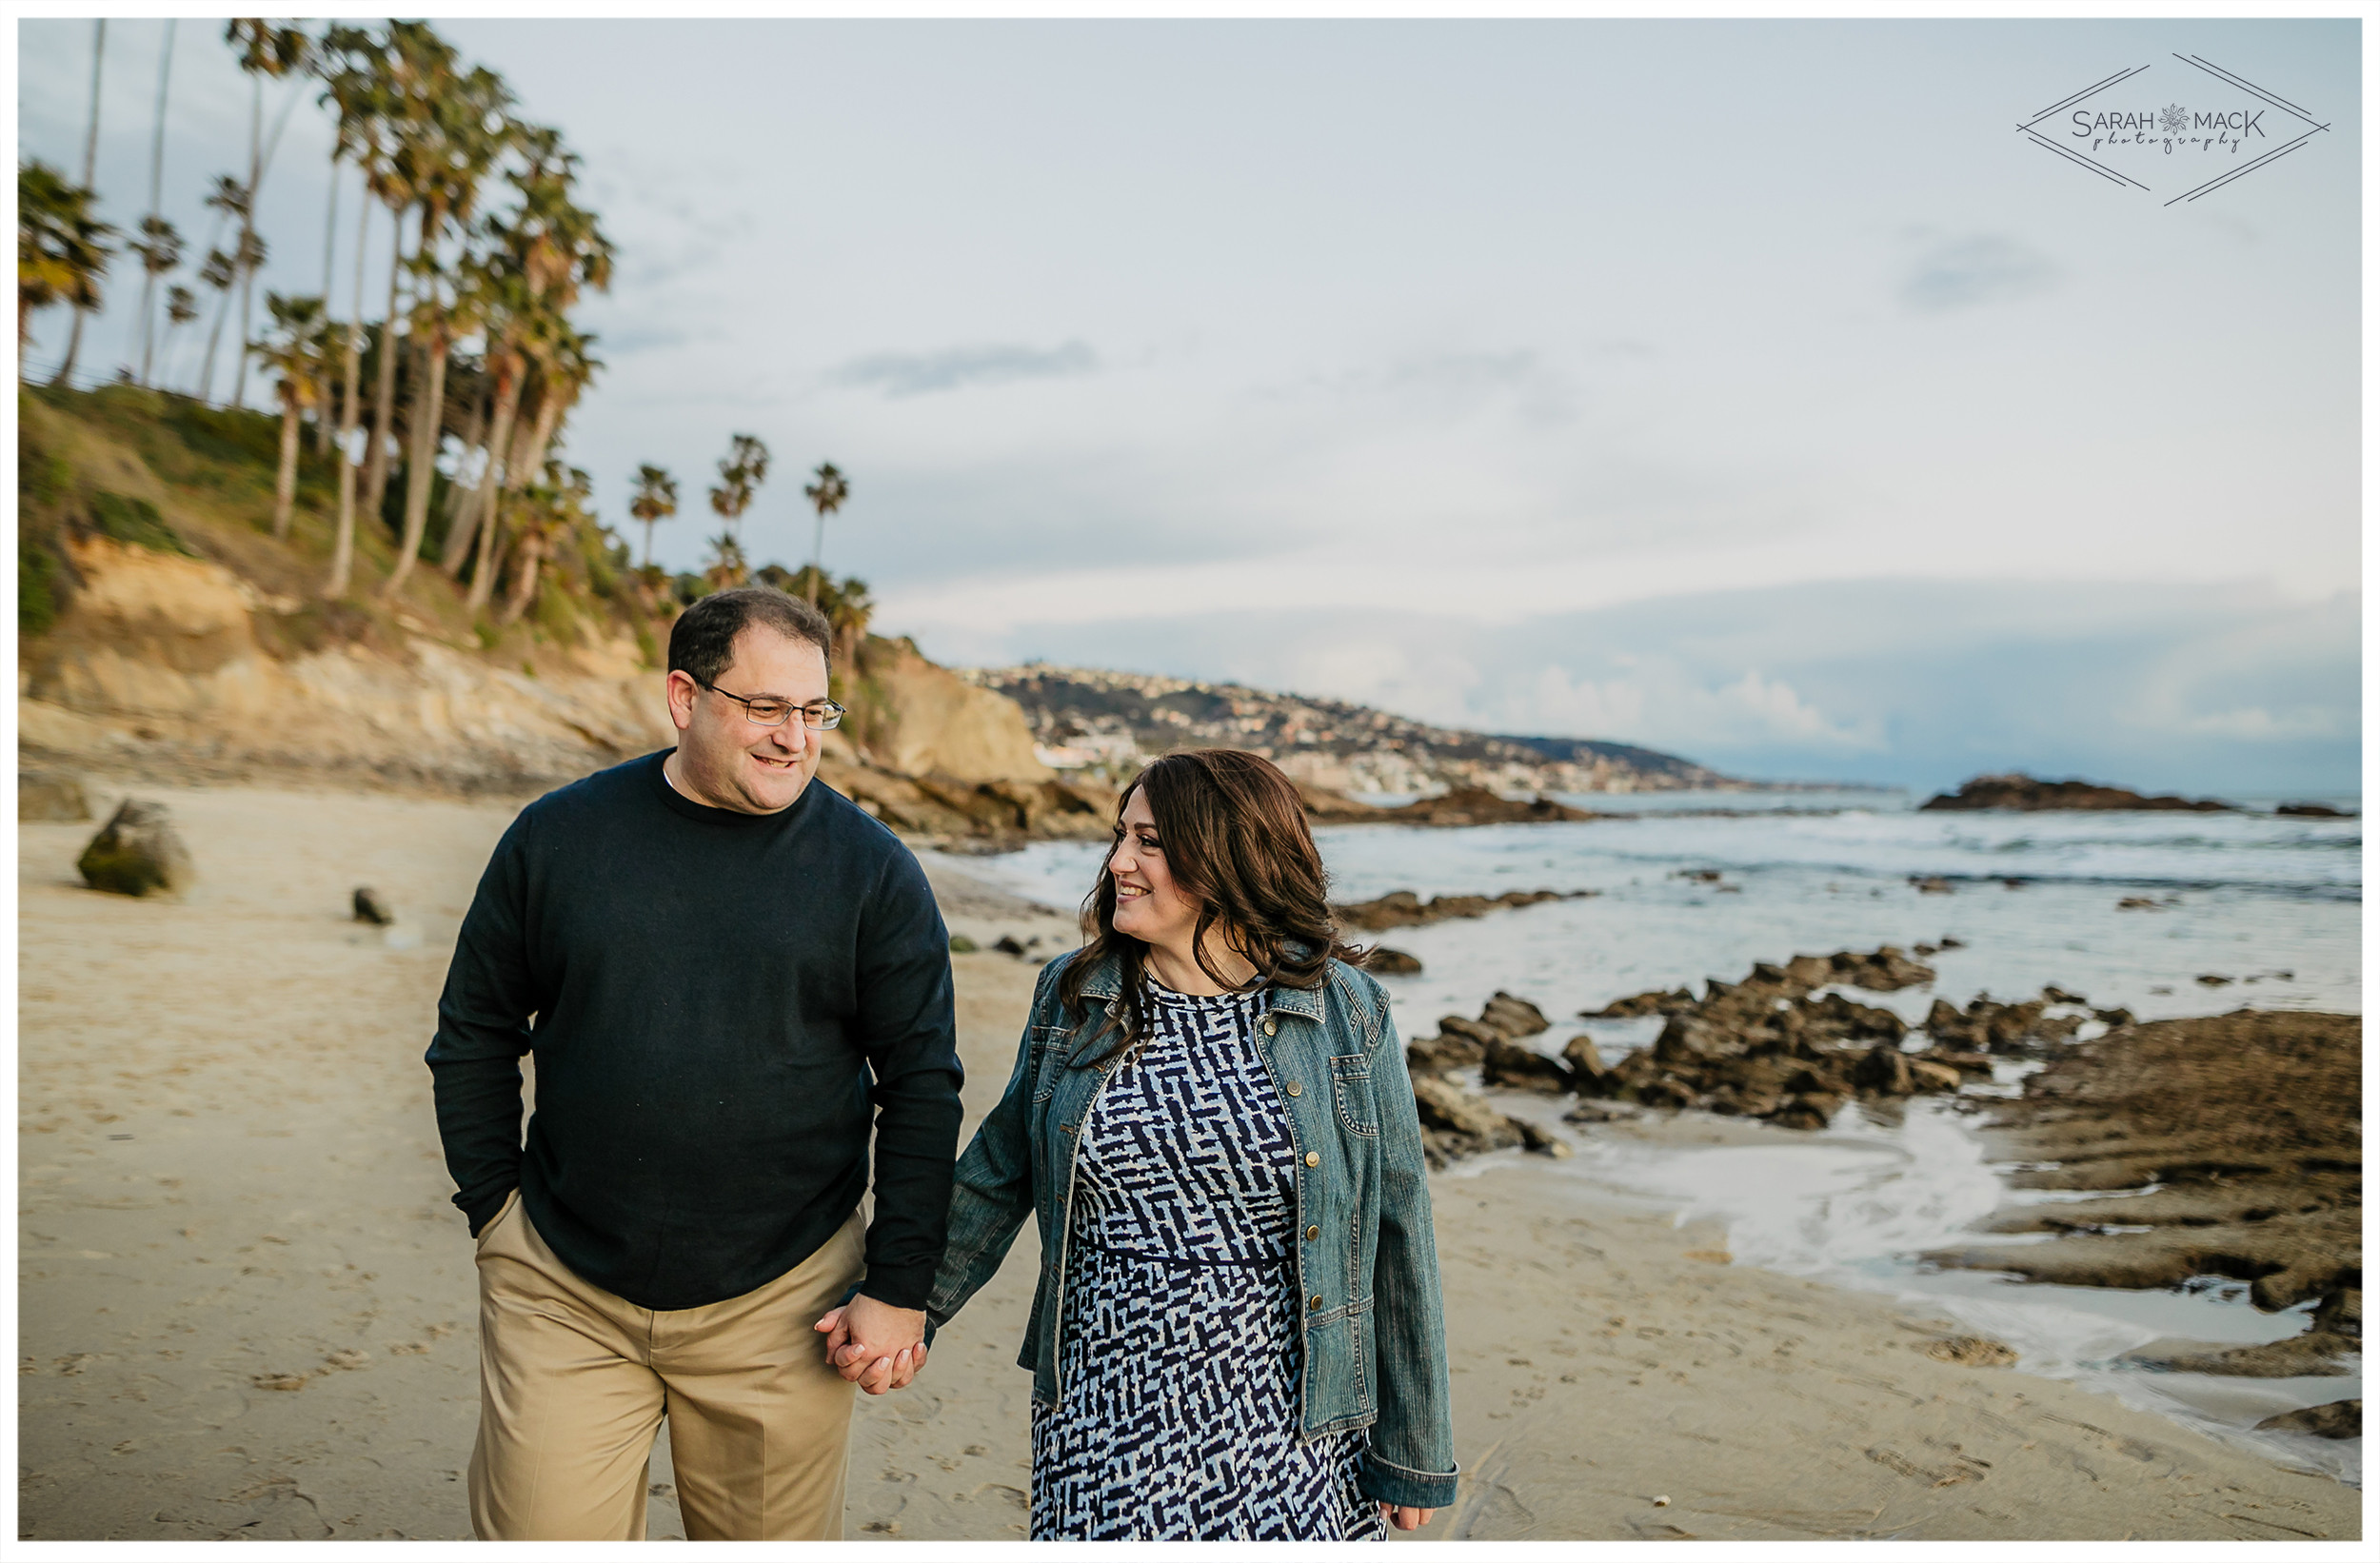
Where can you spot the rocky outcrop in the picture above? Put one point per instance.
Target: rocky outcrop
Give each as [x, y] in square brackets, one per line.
[2017, 791]
[936, 723]
[975, 816]
[1478, 806]
[137, 853]
[1382, 962]
[2313, 811]
[2249, 1127]
[1404, 909]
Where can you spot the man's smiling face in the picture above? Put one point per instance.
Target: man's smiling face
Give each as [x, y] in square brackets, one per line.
[724, 758]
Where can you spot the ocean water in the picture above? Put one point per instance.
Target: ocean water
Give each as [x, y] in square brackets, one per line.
[2273, 907]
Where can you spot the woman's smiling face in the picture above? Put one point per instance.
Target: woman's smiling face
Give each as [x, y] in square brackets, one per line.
[1149, 906]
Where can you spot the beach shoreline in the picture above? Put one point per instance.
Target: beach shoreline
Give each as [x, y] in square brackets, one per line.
[246, 1307]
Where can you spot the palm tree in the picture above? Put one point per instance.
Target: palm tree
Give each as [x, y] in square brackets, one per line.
[91, 166]
[294, 353]
[62, 249]
[156, 199]
[410, 68]
[463, 135]
[551, 511]
[181, 308]
[727, 568]
[827, 494]
[740, 473]
[159, 249]
[229, 200]
[265, 50]
[656, 499]
[348, 60]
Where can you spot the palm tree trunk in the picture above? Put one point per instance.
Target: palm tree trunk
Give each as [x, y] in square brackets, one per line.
[428, 411]
[330, 248]
[156, 193]
[649, 544]
[343, 546]
[385, 393]
[474, 436]
[492, 519]
[214, 334]
[482, 502]
[524, 578]
[285, 482]
[91, 165]
[248, 228]
[818, 556]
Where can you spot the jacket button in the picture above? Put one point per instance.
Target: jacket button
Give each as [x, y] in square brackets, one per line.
[1296, 1090]
[1315, 1306]
[1313, 1233]
[1268, 1027]
[1313, 1159]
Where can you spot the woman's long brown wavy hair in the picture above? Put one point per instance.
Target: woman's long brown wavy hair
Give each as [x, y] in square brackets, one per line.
[1235, 838]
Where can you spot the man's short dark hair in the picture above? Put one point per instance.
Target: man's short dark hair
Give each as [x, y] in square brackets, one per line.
[703, 642]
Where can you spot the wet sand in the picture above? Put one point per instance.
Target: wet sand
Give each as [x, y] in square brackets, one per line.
[245, 1306]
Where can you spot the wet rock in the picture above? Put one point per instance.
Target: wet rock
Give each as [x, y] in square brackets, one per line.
[2115, 1019]
[1811, 1111]
[1513, 1017]
[2339, 1419]
[1970, 1351]
[1687, 1040]
[369, 907]
[1511, 1065]
[961, 944]
[1454, 1123]
[2313, 811]
[1383, 961]
[1404, 909]
[1437, 1055]
[1542, 1141]
[2139, 903]
[1587, 1075]
[2208, 980]
[1883, 1071]
[1926, 1075]
[1654, 1001]
[1931, 884]
[1666, 1091]
[1587, 1112]
[2019, 791]
[2342, 1314]
[1885, 970]
[137, 853]
[2056, 995]
[48, 796]
[2313, 1355]
[1478, 1033]
[1006, 945]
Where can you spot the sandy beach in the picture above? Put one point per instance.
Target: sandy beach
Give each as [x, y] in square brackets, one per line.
[246, 1306]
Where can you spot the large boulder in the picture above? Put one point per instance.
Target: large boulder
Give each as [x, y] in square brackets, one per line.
[1521, 1069]
[137, 853]
[937, 723]
[1587, 1075]
[1456, 1123]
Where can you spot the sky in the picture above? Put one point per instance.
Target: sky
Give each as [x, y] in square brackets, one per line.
[1758, 391]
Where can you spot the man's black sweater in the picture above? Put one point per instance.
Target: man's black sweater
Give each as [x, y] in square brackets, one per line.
[711, 992]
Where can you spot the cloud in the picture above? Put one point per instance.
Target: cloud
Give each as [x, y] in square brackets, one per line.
[1980, 268]
[954, 368]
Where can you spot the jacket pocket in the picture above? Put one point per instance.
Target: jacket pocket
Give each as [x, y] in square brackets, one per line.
[1049, 1044]
[1350, 1088]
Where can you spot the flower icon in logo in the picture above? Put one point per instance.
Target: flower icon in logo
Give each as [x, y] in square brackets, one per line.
[2172, 119]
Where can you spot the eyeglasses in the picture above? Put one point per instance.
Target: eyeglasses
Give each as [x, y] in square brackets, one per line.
[819, 716]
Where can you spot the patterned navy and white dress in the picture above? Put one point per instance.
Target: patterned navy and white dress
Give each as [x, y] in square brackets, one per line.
[1179, 1353]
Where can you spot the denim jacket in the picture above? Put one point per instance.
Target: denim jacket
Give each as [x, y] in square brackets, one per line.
[1366, 1262]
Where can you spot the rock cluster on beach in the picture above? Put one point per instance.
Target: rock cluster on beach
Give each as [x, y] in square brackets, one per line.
[1461, 806]
[1404, 909]
[2235, 1140]
[2017, 791]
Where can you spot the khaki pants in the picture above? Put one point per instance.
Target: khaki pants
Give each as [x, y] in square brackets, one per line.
[574, 1383]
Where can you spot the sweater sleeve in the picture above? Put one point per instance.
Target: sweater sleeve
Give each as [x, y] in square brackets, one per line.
[483, 1030]
[908, 1032]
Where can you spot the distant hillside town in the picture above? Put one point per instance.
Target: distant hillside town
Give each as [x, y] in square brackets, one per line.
[1106, 723]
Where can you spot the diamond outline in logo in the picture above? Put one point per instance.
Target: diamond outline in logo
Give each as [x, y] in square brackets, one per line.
[2210, 186]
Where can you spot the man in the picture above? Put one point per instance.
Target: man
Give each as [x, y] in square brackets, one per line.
[719, 968]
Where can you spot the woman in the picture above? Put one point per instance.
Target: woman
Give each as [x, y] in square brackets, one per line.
[1238, 1330]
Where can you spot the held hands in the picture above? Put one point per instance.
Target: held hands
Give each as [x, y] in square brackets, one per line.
[875, 1346]
[1404, 1518]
